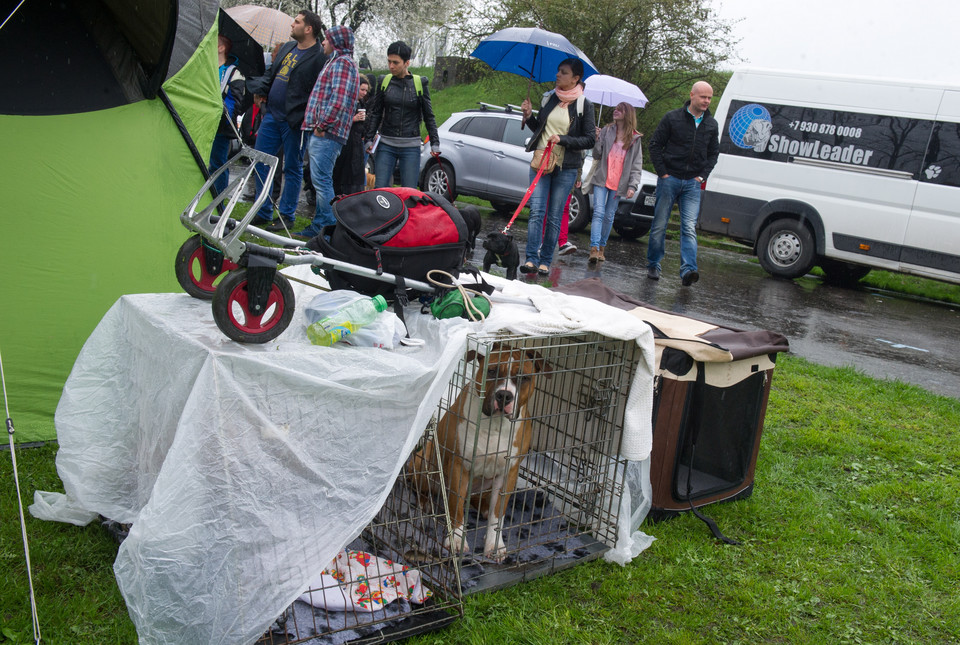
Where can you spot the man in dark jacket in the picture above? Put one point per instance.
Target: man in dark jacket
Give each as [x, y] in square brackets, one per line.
[684, 149]
[285, 89]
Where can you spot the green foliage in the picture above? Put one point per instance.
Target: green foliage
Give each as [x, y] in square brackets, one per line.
[852, 535]
[663, 46]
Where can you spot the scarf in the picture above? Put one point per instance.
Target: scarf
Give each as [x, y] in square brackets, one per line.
[569, 96]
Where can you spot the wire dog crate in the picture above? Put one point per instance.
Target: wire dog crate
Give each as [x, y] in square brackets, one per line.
[563, 507]
[385, 585]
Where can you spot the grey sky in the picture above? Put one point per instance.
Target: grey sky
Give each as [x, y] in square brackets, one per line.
[910, 40]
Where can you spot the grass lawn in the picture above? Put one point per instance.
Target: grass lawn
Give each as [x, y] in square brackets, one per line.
[851, 536]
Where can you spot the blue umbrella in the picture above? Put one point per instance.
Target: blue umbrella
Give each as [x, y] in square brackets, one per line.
[529, 52]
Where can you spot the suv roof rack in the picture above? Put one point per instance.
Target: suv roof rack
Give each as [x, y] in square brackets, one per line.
[507, 109]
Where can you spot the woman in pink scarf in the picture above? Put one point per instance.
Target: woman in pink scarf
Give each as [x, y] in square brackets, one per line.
[566, 119]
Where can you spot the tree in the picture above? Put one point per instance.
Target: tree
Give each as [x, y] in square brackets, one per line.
[375, 21]
[663, 46]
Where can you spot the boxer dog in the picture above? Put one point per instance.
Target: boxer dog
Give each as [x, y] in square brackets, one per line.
[502, 250]
[481, 440]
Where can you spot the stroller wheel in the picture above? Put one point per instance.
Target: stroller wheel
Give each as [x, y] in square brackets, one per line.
[231, 311]
[199, 267]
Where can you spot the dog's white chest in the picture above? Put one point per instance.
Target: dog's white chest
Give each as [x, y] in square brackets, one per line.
[486, 443]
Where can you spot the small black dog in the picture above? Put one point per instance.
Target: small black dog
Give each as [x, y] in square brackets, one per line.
[502, 250]
[471, 217]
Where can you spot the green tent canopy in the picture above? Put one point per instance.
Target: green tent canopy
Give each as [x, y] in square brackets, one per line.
[106, 119]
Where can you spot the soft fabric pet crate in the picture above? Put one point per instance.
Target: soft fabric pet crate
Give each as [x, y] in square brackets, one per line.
[710, 399]
[566, 505]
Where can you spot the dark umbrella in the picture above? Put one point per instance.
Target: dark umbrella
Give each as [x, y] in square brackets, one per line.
[247, 52]
[529, 52]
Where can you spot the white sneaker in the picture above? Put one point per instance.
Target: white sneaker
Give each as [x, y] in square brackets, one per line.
[567, 249]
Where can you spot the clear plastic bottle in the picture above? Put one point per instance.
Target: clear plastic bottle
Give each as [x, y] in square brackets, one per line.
[347, 320]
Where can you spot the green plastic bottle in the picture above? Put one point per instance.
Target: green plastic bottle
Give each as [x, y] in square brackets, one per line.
[355, 315]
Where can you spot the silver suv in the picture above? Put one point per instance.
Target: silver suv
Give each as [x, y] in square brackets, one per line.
[483, 155]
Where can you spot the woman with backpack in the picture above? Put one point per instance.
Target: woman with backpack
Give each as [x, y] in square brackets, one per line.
[616, 170]
[401, 103]
[566, 120]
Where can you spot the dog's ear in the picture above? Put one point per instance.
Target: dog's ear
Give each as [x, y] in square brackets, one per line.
[542, 366]
[472, 354]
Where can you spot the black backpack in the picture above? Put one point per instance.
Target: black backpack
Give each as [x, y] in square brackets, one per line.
[402, 231]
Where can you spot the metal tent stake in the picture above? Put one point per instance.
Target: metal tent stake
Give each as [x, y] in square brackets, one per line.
[23, 525]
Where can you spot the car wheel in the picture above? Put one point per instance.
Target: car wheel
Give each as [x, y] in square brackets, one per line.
[842, 273]
[631, 231]
[785, 249]
[579, 212]
[438, 178]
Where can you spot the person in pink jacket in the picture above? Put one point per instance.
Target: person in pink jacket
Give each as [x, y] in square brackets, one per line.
[617, 165]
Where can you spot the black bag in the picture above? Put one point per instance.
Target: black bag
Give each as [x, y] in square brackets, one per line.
[392, 230]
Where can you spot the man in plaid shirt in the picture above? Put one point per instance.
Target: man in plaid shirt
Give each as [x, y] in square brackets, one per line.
[328, 118]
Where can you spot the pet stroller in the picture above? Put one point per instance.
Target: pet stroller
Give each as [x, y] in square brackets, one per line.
[252, 302]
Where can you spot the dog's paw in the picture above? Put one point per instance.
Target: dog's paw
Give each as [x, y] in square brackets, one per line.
[494, 547]
[497, 554]
[457, 542]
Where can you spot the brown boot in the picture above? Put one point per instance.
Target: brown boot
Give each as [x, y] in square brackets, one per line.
[600, 254]
[594, 255]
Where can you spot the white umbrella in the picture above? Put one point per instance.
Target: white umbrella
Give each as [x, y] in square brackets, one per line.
[265, 25]
[609, 90]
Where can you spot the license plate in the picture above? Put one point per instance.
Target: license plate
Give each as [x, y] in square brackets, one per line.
[649, 200]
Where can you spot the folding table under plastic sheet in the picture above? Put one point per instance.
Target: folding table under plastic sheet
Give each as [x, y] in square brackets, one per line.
[244, 469]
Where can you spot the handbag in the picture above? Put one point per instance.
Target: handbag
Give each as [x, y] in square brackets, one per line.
[556, 156]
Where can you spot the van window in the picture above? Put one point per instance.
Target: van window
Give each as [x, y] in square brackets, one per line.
[790, 133]
[942, 165]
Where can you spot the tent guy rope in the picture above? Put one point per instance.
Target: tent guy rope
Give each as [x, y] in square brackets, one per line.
[7, 19]
[23, 525]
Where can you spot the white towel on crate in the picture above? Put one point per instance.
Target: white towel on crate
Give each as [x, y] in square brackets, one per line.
[562, 313]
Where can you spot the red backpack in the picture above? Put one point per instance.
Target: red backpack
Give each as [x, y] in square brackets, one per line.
[402, 231]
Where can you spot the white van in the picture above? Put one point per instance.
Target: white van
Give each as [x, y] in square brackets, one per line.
[842, 172]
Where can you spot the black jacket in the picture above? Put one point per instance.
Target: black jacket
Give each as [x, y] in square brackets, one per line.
[397, 111]
[582, 134]
[302, 79]
[681, 149]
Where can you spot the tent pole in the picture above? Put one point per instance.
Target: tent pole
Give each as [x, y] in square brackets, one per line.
[189, 140]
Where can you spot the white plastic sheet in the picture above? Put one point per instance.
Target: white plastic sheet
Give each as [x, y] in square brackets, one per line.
[244, 469]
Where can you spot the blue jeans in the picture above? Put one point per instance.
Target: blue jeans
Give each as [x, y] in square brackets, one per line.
[547, 200]
[218, 156]
[273, 135]
[686, 193]
[386, 159]
[323, 155]
[605, 203]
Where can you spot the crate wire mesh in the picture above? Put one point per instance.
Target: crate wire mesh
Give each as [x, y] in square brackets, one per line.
[564, 509]
[562, 512]
[387, 584]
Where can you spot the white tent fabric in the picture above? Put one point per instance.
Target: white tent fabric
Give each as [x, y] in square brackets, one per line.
[244, 469]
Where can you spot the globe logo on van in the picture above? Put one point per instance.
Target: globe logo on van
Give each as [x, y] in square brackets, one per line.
[750, 127]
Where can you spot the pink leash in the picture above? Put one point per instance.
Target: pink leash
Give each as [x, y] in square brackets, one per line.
[526, 195]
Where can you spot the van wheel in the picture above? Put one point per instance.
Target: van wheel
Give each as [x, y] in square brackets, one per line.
[842, 273]
[580, 214]
[785, 249]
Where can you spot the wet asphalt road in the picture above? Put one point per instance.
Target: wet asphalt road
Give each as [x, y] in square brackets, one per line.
[882, 334]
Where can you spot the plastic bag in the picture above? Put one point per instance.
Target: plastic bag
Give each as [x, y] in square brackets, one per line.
[385, 332]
